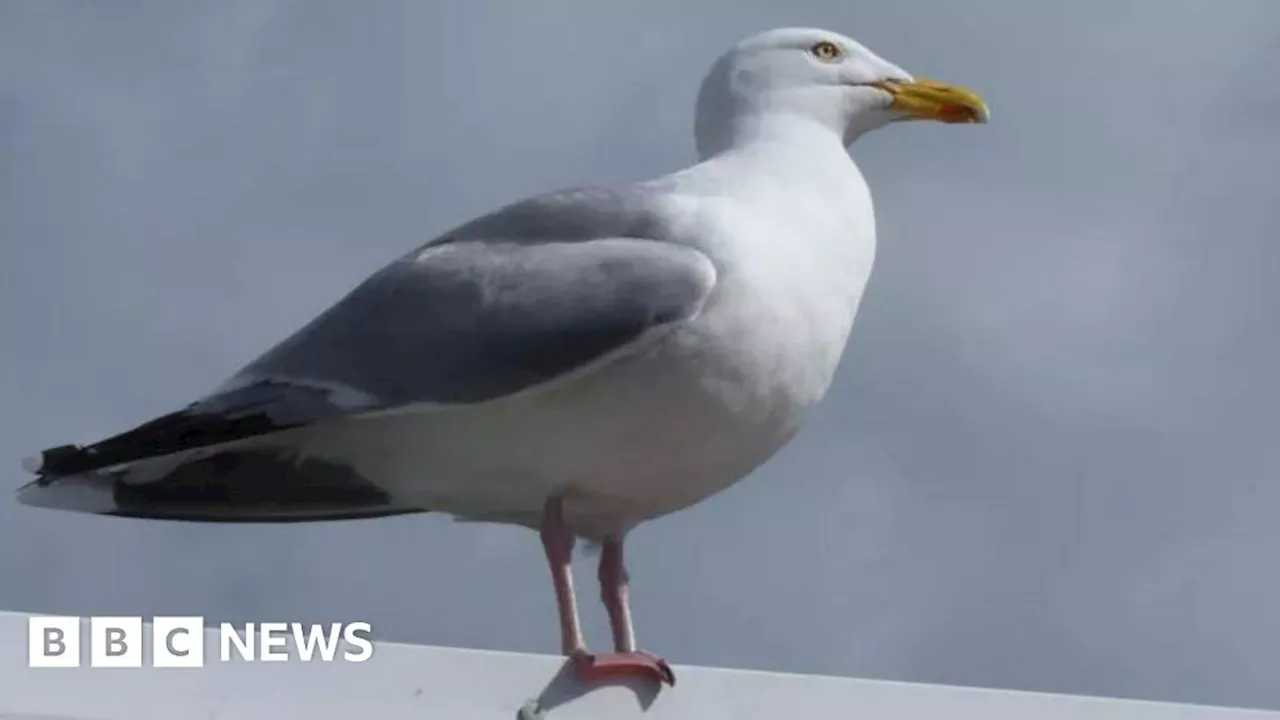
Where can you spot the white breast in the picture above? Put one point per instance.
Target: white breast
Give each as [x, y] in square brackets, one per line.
[794, 248]
[725, 393]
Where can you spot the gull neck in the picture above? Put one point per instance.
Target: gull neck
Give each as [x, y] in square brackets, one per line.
[794, 135]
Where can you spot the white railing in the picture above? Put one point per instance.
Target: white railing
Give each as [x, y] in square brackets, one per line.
[412, 682]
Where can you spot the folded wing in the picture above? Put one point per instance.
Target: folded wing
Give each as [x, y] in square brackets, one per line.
[457, 322]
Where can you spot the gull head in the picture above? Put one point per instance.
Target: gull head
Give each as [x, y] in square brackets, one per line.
[817, 78]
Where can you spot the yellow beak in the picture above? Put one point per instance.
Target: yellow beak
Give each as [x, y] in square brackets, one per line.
[931, 100]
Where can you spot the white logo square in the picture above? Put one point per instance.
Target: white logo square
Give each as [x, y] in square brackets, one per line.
[115, 642]
[53, 641]
[177, 642]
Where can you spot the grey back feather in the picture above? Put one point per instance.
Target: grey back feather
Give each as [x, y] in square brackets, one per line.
[505, 302]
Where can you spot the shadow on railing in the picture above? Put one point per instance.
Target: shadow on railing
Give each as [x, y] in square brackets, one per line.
[565, 687]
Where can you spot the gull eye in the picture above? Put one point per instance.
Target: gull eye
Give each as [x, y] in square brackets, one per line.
[826, 51]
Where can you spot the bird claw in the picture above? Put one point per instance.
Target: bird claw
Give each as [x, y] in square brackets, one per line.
[638, 664]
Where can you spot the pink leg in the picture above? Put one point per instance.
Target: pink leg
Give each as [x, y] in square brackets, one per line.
[557, 541]
[626, 660]
[613, 591]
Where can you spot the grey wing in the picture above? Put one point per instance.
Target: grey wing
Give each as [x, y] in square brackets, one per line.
[469, 321]
[457, 322]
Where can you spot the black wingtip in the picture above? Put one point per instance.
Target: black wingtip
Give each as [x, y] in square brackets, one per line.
[51, 460]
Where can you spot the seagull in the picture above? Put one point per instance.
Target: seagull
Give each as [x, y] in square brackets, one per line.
[576, 363]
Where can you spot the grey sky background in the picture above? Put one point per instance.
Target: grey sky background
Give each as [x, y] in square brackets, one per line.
[1049, 462]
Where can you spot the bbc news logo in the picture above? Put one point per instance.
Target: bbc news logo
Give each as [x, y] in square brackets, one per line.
[179, 642]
